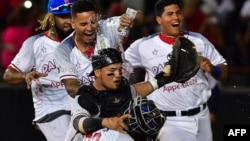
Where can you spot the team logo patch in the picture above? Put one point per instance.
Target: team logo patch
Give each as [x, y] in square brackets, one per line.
[117, 100]
[155, 52]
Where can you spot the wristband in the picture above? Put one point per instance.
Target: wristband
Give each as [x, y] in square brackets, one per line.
[86, 124]
[154, 84]
[217, 71]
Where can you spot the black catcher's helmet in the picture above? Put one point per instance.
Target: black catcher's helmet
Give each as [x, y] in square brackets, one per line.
[105, 57]
[146, 117]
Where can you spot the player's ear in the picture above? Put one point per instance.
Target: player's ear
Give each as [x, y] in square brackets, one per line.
[97, 72]
[158, 19]
[73, 24]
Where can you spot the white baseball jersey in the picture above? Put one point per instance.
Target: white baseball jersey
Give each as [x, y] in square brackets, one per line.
[23, 58]
[74, 64]
[104, 134]
[49, 94]
[152, 52]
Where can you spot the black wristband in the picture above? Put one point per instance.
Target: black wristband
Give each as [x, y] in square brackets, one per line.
[89, 125]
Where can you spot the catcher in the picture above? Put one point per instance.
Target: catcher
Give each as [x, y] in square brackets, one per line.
[98, 109]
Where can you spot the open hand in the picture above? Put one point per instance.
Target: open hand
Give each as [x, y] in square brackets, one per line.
[116, 123]
[32, 76]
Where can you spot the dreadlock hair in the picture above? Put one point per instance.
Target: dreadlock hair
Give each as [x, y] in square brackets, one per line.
[47, 22]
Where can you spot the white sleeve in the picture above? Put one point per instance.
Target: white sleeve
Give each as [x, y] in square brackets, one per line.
[207, 49]
[24, 60]
[213, 55]
[66, 68]
[132, 53]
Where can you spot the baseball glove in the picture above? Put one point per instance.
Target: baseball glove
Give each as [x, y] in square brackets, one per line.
[183, 61]
[145, 116]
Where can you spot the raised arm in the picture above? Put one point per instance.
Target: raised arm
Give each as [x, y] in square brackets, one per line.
[145, 88]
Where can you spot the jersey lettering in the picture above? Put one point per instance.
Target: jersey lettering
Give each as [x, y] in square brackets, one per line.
[63, 70]
[46, 68]
[85, 80]
[157, 69]
[56, 84]
[172, 88]
[92, 136]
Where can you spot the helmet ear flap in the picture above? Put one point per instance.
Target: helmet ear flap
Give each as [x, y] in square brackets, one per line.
[146, 117]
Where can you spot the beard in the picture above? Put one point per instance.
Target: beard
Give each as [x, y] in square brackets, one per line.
[89, 42]
[63, 34]
[92, 43]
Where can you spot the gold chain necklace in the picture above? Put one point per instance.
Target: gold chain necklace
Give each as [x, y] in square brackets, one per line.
[77, 46]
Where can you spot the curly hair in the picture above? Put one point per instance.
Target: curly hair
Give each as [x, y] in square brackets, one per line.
[47, 22]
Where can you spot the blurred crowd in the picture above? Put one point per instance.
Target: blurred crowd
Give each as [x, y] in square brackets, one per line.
[18, 22]
[226, 23]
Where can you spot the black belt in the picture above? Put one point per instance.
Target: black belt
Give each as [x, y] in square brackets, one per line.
[189, 112]
[52, 116]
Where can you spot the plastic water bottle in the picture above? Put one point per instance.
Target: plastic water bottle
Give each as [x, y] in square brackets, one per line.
[127, 67]
[131, 13]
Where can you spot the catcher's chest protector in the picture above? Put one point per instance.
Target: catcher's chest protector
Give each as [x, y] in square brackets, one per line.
[111, 102]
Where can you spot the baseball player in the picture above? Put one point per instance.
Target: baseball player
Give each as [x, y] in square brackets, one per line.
[98, 108]
[90, 35]
[185, 104]
[51, 101]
